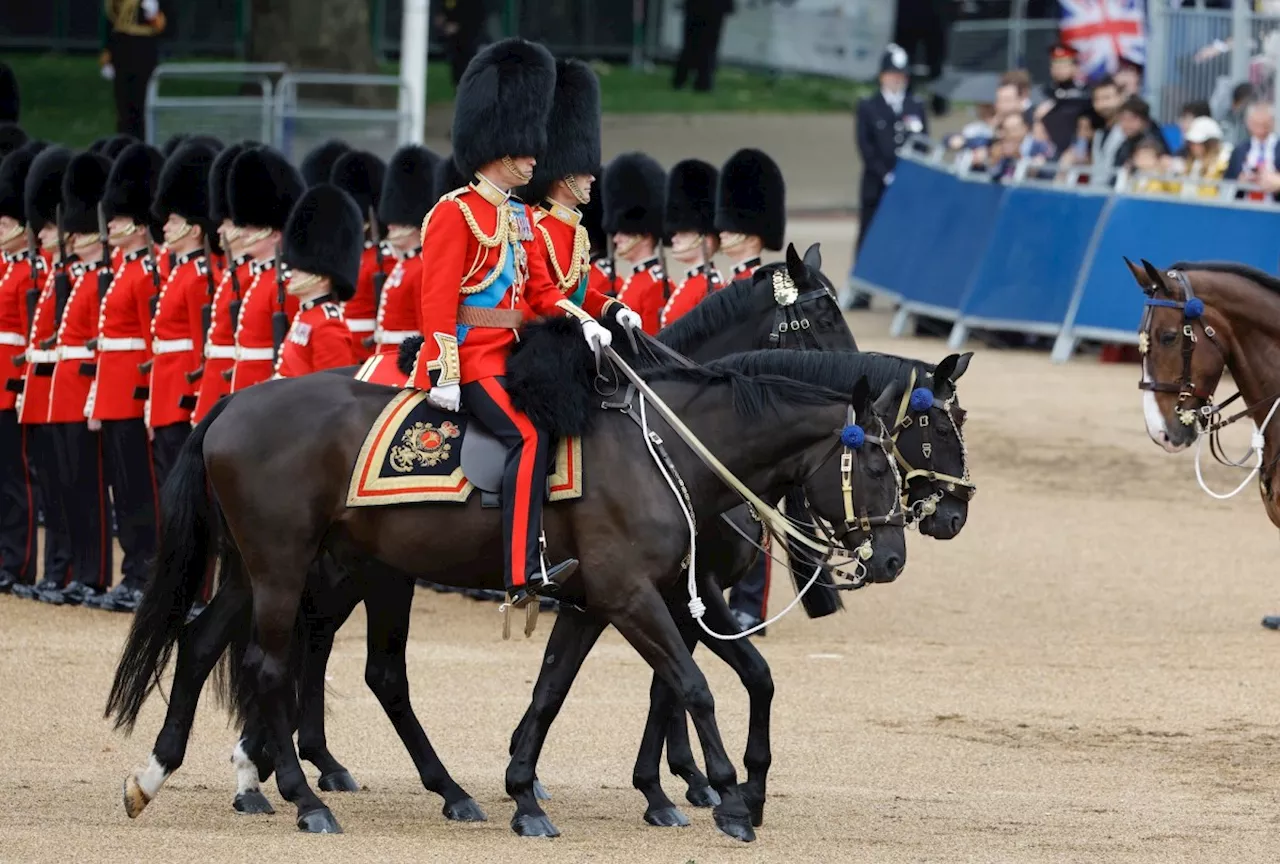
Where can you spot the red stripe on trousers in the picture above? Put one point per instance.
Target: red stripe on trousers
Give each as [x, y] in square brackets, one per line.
[524, 478]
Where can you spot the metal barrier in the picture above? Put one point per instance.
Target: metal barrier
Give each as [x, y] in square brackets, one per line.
[226, 108]
[301, 124]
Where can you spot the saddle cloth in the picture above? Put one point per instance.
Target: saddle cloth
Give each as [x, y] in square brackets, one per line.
[416, 453]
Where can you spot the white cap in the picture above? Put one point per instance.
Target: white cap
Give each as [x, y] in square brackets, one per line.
[1203, 129]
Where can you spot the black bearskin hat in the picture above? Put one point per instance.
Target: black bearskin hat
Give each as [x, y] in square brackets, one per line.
[360, 174]
[593, 217]
[183, 187]
[173, 143]
[573, 132]
[752, 198]
[406, 188]
[691, 198]
[634, 188]
[503, 103]
[10, 102]
[317, 166]
[42, 192]
[132, 183]
[262, 188]
[12, 137]
[219, 209]
[325, 236]
[13, 178]
[83, 186]
[116, 144]
[447, 178]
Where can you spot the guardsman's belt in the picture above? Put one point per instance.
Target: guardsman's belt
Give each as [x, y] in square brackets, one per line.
[499, 319]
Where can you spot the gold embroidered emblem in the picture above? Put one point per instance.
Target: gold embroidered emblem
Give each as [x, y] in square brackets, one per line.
[423, 444]
[1144, 342]
[784, 289]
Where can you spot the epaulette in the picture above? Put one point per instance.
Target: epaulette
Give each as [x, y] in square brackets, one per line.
[76, 269]
[149, 264]
[332, 311]
[202, 266]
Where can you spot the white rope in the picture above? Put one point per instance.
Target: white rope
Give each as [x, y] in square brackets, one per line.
[1257, 441]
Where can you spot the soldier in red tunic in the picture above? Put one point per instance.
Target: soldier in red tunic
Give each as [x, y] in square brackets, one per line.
[81, 478]
[483, 272]
[42, 195]
[408, 191]
[21, 268]
[751, 209]
[634, 189]
[261, 189]
[362, 176]
[219, 352]
[690, 223]
[323, 247]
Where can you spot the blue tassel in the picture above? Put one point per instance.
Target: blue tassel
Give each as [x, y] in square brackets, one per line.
[852, 436]
[921, 399]
[1194, 308]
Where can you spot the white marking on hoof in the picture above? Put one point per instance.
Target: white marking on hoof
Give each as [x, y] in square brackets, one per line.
[246, 770]
[141, 787]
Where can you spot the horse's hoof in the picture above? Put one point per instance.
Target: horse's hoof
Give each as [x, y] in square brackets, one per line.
[539, 791]
[253, 803]
[466, 810]
[319, 822]
[702, 796]
[757, 814]
[339, 781]
[666, 817]
[135, 800]
[533, 826]
[736, 827]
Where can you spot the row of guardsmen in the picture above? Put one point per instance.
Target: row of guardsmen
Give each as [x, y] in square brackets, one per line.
[138, 287]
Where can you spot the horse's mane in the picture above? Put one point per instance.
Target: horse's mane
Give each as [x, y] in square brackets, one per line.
[713, 314]
[1244, 271]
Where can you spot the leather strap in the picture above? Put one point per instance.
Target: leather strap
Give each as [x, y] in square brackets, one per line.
[498, 319]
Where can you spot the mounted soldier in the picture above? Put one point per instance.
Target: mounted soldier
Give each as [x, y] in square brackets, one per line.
[634, 192]
[483, 271]
[690, 222]
[362, 175]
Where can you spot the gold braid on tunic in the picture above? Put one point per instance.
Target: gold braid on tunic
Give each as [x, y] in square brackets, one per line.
[580, 259]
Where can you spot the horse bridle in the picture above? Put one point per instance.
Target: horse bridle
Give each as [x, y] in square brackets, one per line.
[789, 317]
[1192, 308]
[914, 410]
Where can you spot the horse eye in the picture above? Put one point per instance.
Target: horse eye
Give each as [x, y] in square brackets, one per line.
[1167, 337]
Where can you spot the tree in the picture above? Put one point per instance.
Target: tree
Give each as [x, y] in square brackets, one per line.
[316, 35]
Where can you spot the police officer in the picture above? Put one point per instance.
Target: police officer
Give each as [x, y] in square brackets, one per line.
[635, 189]
[884, 121]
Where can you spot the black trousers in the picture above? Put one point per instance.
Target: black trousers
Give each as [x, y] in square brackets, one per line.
[866, 212]
[80, 485]
[700, 51]
[164, 449]
[42, 450]
[132, 478]
[134, 59]
[926, 28]
[524, 477]
[17, 502]
[751, 595]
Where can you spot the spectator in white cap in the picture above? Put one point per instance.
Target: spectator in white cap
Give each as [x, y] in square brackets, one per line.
[1208, 157]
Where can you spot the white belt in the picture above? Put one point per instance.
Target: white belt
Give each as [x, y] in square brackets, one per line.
[219, 352]
[108, 344]
[394, 337]
[361, 325]
[13, 339]
[73, 352]
[34, 357]
[254, 353]
[171, 346]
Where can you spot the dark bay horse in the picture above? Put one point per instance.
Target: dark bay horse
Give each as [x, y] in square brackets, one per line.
[281, 490]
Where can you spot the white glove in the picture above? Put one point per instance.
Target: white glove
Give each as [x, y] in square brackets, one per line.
[596, 335]
[888, 179]
[447, 397]
[94, 425]
[150, 8]
[628, 318]
[108, 72]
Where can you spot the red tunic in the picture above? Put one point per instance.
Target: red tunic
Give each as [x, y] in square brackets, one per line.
[397, 321]
[603, 277]
[255, 339]
[176, 336]
[359, 310]
[220, 346]
[73, 373]
[460, 268]
[124, 325]
[37, 374]
[15, 282]
[644, 292]
[698, 283]
[318, 339]
[745, 269]
[561, 240]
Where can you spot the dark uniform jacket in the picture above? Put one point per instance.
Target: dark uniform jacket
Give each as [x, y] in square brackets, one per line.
[880, 132]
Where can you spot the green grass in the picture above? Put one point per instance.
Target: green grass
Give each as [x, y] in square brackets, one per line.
[64, 99]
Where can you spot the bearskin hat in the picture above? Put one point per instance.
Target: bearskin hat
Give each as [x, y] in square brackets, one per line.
[172, 143]
[219, 209]
[262, 188]
[12, 137]
[325, 236]
[116, 144]
[183, 186]
[573, 132]
[503, 104]
[83, 186]
[407, 187]
[752, 198]
[360, 174]
[447, 178]
[317, 166]
[635, 187]
[132, 183]
[14, 169]
[10, 101]
[42, 192]
[691, 198]
[593, 217]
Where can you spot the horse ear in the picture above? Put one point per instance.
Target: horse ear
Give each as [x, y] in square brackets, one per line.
[962, 363]
[861, 392]
[813, 257]
[1140, 276]
[795, 267]
[1157, 281]
[944, 375]
[886, 402]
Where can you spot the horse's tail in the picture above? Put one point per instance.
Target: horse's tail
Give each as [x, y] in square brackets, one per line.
[182, 559]
[822, 599]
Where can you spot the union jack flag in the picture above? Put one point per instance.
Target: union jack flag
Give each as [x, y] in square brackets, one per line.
[1105, 32]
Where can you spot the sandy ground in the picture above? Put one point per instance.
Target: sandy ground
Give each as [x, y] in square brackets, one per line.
[1080, 676]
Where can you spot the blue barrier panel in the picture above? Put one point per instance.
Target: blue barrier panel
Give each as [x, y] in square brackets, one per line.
[1165, 231]
[904, 227]
[952, 255]
[1026, 278]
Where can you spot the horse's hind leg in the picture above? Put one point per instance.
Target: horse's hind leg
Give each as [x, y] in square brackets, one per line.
[199, 647]
[388, 600]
